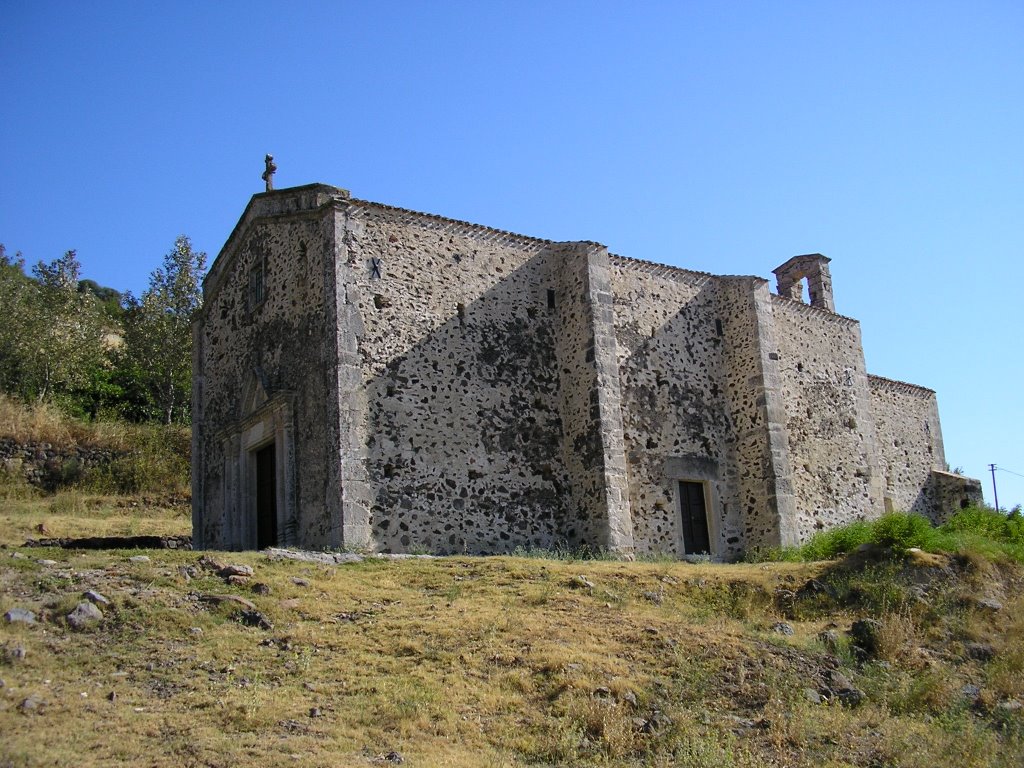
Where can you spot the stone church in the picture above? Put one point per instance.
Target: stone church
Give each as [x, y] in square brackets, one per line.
[375, 378]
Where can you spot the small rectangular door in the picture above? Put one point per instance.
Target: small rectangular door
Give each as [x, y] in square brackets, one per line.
[266, 497]
[696, 540]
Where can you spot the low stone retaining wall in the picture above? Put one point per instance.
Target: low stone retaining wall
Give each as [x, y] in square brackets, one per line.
[47, 466]
[116, 542]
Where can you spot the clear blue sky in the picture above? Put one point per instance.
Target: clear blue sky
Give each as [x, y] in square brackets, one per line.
[719, 136]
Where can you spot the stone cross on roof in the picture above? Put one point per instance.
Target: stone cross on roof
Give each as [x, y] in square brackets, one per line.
[268, 174]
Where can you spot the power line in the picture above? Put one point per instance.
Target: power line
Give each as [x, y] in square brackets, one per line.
[1004, 469]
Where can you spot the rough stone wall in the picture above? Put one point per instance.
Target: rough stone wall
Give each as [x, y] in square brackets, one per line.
[759, 460]
[592, 443]
[829, 418]
[433, 385]
[953, 493]
[909, 444]
[281, 346]
[674, 410]
[463, 422]
[49, 466]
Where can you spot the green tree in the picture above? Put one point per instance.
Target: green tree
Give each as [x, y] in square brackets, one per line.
[17, 294]
[52, 340]
[158, 331]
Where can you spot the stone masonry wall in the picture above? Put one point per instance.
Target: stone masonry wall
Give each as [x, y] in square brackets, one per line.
[434, 385]
[759, 456]
[592, 441]
[909, 444]
[829, 419]
[279, 345]
[49, 466]
[463, 407]
[674, 410]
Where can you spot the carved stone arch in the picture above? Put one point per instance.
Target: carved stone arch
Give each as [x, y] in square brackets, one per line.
[813, 267]
[266, 419]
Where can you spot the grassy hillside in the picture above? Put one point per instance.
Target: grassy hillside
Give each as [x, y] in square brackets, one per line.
[502, 661]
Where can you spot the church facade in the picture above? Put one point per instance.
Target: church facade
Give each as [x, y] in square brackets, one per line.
[374, 378]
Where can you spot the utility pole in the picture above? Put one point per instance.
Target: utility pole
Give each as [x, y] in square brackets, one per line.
[992, 469]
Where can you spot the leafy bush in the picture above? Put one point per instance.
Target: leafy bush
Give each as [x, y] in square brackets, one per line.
[838, 541]
[901, 531]
[981, 531]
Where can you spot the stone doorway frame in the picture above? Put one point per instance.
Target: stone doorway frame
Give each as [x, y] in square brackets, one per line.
[704, 471]
[272, 421]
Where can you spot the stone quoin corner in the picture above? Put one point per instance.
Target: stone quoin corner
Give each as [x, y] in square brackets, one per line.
[376, 378]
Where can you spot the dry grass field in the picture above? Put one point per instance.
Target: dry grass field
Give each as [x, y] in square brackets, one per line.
[505, 661]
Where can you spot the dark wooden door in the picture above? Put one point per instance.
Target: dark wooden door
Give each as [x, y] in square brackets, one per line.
[266, 498]
[695, 519]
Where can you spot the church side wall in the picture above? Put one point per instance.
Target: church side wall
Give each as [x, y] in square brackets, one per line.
[829, 419]
[285, 337]
[462, 417]
[674, 413]
[910, 444]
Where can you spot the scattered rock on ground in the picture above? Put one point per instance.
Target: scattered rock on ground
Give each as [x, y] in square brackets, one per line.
[235, 570]
[327, 558]
[218, 599]
[85, 615]
[207, 563]
[260, 588]
[30, 704]
[19, 616]
[299, 581]
[829, 638]
[782, 628]
[866, 636]
[139, 559]
[95, 597]
[980, 651]
[583, 581]
[840, 687]
[255, 619]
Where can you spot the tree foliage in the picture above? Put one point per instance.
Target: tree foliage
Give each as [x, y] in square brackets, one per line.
[158, 331]
[52, 344]
[93, 350]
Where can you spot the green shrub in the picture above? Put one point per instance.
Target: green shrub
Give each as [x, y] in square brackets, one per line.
[984, 532]
[901, 531]
[987, 522]
[827, 545]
